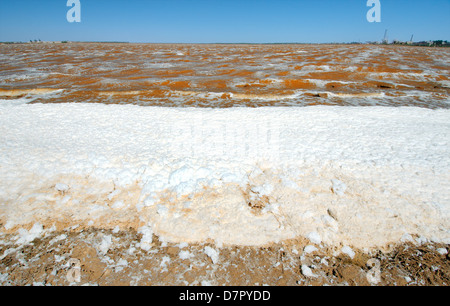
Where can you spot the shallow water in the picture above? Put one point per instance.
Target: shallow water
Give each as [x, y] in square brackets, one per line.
[187, 75]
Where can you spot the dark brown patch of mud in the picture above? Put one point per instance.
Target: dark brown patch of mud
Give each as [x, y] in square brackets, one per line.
[107, 258]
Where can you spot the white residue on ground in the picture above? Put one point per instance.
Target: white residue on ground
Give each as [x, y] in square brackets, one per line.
[356, 176]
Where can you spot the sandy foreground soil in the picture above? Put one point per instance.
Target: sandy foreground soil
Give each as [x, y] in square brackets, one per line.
[113, 258]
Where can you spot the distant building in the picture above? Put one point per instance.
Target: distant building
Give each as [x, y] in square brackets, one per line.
[435, 43]
[430, 43]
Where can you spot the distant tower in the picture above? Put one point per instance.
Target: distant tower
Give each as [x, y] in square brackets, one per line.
[385, 40]
[411, 40]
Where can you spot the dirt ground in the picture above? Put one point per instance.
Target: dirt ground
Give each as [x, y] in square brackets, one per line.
[115, 258]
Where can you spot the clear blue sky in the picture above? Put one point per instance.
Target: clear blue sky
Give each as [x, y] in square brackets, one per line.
[206, 21]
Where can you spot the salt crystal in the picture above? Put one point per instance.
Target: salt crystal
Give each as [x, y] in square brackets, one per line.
[212, 253]
[442, 251]
[338, 187]
[314, 237]
[147, 237]
[61, 187]
[309, 249]
[306, 271]
[105, 244]
[348, 250]
[185, 255]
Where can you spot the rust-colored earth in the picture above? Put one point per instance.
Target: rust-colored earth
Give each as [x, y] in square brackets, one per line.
[226, 75]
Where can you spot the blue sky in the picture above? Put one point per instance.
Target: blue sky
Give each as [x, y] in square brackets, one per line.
[228, 21]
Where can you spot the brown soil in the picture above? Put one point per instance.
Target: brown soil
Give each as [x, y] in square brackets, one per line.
[152, 74]
[45, 260]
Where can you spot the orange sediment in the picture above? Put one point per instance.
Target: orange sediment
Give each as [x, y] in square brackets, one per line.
[224, 75]
[298, 84]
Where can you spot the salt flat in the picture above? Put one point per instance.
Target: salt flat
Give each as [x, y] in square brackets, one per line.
[362, 176]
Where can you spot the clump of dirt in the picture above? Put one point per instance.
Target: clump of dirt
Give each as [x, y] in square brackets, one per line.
[256, 201]
[114, 257]
[257, 204]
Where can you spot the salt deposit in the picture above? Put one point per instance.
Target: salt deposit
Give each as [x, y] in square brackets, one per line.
[357, 176]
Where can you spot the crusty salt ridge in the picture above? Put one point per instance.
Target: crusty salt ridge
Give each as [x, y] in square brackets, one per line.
[357, 176]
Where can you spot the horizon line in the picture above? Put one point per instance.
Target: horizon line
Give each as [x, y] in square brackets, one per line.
[219, 43]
